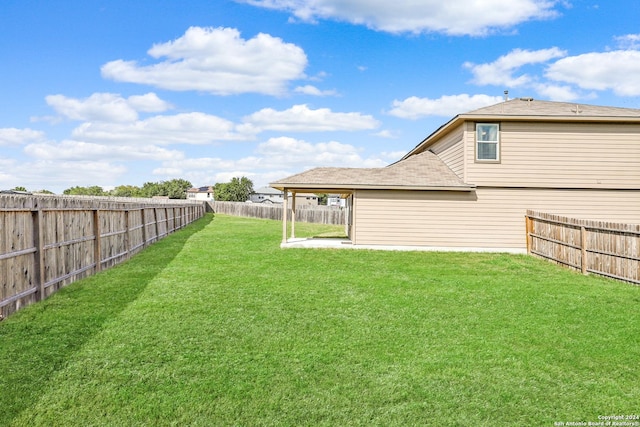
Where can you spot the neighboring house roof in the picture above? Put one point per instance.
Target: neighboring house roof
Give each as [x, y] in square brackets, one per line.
[423, 171]
[206, 189]
[529, 109]
[268, 191]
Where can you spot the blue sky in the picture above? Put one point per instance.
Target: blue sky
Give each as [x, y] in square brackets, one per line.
[108, 93]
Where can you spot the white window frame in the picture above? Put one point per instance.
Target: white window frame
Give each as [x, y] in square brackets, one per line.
[480, 140]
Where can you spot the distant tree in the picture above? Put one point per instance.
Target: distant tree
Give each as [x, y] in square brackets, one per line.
[221, 190]
[150, 189]
[20, 189]
[174, 189]
[85, 191]
[322, 198]
[126, 191]
[44, 192]
[238, 190]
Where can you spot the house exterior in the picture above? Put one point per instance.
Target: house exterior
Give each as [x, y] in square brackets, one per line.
[467, 186]
[271, 195]
[205, 194]
[267, 195]
[336, 200]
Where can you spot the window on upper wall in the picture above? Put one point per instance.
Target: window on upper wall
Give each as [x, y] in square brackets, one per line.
[488, 142]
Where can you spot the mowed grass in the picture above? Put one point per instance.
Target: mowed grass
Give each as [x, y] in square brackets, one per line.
[216, 325]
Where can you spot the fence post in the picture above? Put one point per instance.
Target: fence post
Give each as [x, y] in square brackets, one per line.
[155, 220]
[97, 248]
[144, 227]
[127, 239]
[583, 249]
[529, 230]
[38, 243]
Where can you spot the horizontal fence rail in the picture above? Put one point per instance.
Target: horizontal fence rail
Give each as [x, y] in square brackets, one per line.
[304, 213]
[598, 247]
[47, 242]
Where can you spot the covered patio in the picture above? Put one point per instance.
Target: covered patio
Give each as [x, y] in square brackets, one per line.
[289, 239]
[421, 172]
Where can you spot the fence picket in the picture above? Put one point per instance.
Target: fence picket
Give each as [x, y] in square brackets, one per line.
[598, 247]
[304, 213]
[47, 242]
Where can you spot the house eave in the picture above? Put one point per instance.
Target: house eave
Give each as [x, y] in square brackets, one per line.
[349, 188]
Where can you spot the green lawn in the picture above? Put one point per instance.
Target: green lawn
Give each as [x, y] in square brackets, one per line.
[216, 325]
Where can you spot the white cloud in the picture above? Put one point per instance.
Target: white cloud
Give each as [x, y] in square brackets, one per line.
[314, 91]
[186, 128]
[107, 107]
[299, 155]
[216, 60]
[300, 118]
[567, 78]
[562, 93]
[628, 41]
[209, 170]
[460, 17]
[500, 72]
[386, 133]
[273, 159]
[618, 71]
[14, 136]
[78, 150]
[447, 106]
[149, 103]
[55, 175]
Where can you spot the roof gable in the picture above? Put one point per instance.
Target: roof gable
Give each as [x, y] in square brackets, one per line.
[529, 109]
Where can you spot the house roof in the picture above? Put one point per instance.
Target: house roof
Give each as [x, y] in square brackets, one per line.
[529, 109]
[208, 189]
[424, 171]
[420, 169]
[268, 191]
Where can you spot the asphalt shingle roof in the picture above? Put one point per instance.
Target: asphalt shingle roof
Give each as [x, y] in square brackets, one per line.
[424, 170]
[534, 108]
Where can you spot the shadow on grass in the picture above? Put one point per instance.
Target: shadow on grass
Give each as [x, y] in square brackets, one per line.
[38, 340]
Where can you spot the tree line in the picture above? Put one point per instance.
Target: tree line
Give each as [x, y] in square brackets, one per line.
[237, 190]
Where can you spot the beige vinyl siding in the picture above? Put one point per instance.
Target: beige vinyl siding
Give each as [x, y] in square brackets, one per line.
[560, 155]
[488, 218]
[451, 151]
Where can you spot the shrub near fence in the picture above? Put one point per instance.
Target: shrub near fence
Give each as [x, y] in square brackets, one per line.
[47, 242]
[604, 248]
[304, 213]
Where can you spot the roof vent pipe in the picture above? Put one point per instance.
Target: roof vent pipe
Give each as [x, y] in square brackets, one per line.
[506, 95]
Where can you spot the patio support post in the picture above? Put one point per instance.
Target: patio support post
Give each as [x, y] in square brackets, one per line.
[293, 215]
[284, 217]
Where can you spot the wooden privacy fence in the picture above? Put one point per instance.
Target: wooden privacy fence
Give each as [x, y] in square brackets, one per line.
[49, 242]
[304, 213]
[604, 248]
